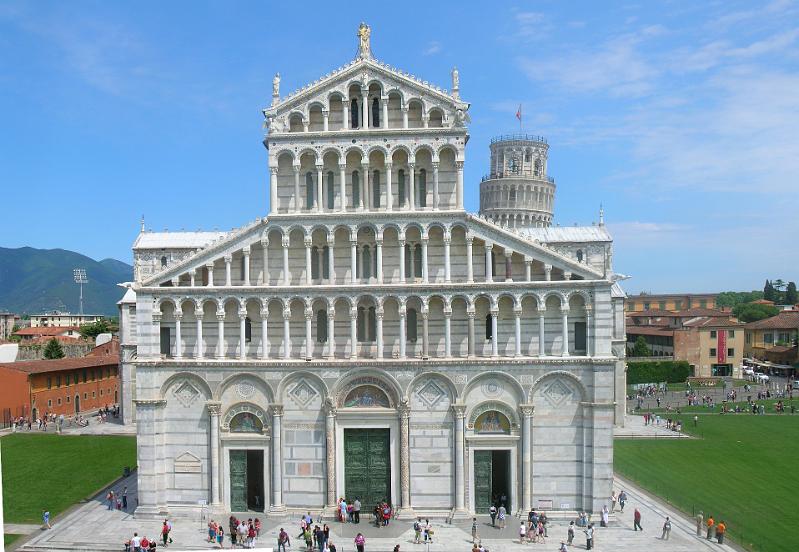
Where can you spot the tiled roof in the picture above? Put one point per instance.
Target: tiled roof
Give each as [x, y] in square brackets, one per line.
[46, 330]
[687, 313]
[41, 366]
[63, 339]
[175, 240]
[649, 330]
[712, 322]
[567, 234]
[784, 320]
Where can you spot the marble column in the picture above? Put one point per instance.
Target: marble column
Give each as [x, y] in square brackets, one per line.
[541, 340]
[366, 196]
[331, 260]
[246, 252]
[265, 249]
[178, 334]
[588, 333]
[402, 260]
[354, 261]
[459, 184]
[564, 312]
[447, 332]
[308, 334]
[459, 411]
[198, 314]
[325, 120]
[384, 105]
[447, 267]
[508, 266]
[192, 277]
[494, 336]
[470, 315]
[287, 332]
[425, 239]
[265, 331]
[389, 191]
[404, 412]
[435, 186]
[517, 319]
[379, 267]
[365, 107]
[228, 261]
[308, 273]
[277, 506]
[527, 460]
[425, 334]
[214, 409]
[331, 332]
[286, 273]
[469, 263]
[273, 190]
[342, 195]
[209, 268]
[220, 331]
[330, 452]
[488, 263]
[345, 102]
[354, 332]
[319, 181]
[379, 330]
[547, 272]
[402, 331]
[297, 203]
[528, 269]
[411, 185]
[242, 334]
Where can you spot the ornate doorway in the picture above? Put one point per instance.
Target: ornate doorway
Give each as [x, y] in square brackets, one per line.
[367, 465]
[491, 479]
[246, 480]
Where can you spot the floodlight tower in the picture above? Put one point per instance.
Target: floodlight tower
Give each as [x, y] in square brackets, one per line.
[80, 279]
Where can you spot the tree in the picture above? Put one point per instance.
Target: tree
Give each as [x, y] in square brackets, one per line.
[90, 331]
[769, 293]
[751, 312]
[53, 350]
[641, 349]
[791, 297]
[732, 298]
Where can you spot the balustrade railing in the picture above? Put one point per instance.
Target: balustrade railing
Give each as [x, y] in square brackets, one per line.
[518, 174]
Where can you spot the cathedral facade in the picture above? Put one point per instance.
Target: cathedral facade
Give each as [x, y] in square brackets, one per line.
[369, 337]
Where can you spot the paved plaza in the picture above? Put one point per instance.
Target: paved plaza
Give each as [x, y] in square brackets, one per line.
[91, 527]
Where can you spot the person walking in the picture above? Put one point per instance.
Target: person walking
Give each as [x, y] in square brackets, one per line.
[46, 519]
[570, 533]
[589, 536]
[417, 531]
[637, 520]
[622, 499]
[360, 542]
[428, 531]
[135, 543]
[356, 510]
[109, 498]
[283, 540]
[700, 523]
[125, 498]
[474, 531]
[501, 515]
[613, 500]
[492, 511]
[666, 529]
[721, 528]
[164, 533]
[603, 522]
[711, 527]
[522, 532]
[220, 536]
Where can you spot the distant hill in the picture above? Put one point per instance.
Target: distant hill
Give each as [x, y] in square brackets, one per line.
[38, 280]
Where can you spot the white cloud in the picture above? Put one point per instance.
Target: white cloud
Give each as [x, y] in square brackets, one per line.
[433, 47]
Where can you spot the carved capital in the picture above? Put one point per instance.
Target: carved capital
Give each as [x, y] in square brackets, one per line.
[308, 313]
[156, 318]
[307, 241]
[178, 315]
[273, 171]
[214, 408]
[459, 165]
[564, 310]
[277, 410]
[459, 410]
[228, 259]
[526, 410]
[286, 241]
[389, 165]
[489, 246]
[435, 165]
[330, 407]
[198, 313]
[220, 316]
[246, 250]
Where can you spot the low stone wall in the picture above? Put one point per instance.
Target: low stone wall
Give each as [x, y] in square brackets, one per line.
[36, 352]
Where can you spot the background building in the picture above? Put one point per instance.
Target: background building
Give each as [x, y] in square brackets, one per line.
[62, 319]
[370, 337]
[774, 341]
[7, 322]
[671, 301]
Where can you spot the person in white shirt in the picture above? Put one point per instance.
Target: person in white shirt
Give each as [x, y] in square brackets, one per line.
[135, 542]
[522, 532]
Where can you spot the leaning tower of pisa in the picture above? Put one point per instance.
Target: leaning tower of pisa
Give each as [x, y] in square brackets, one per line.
[517, 191]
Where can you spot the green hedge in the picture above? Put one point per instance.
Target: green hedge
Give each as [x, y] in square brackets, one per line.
[669, 371]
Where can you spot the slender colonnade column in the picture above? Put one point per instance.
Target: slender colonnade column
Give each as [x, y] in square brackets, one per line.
[214, 408]
[277, 460]
[459, 411]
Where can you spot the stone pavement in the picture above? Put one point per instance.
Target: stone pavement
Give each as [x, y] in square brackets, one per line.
[634, 427]
[91, 527]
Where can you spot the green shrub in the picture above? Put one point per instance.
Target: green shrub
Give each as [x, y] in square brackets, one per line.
[669, 371]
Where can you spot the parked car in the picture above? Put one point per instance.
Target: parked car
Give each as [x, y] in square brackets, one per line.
[748, 371]
[761, 377]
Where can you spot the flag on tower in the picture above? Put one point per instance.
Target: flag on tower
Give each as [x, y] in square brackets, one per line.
[519, 113]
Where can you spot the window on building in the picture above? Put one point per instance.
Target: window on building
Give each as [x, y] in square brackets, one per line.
[376, 189]
[662, 305]
[579, 255]
[678, 305]
[748, 337]
[247, 330]
[49, 382]
[422, 188]
[712, 351]
[646, 306]
[94, 394]
[371, 325]
[411, 333]
[512, 195]
[68, 399]
[163, 261]
[366, 262]
[768, 338]
[538, 167]
[108, 372]
[85, 396]
[527, 156]
[314, 263]
[703, 303]
[309, 195]
[730, 353]
[321, 326]
[49, 402]
[489, 327]
[166, 344]
[354, 113]
[784, 337]
[101, 392]
[712, 334]
[356, 188]
[417, 260]
[730, 333]
[326, 262]
[58, 381]
[401, 187]
[375, 113]
[331, 190]
[360, 325]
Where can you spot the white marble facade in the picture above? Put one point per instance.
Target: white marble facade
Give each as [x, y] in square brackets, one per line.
[468, 335]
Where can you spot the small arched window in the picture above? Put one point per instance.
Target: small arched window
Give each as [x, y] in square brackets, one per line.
[326, 262]
[356, 188]
[309, 190]
[354, 112]
[321, 326]
[360, 325]
[331, 190]
[163, 261]
[513, 195]
[410, 326]
[366, 262]
[489, 327]
[375, 113]
[314, 263]
[372, 325]
[417, 260]
[401, 187]
[538, 167]
[422, 188]
[247, 329]
[243, 269]
[527, 156]
[579, 255]
[408, 261]
[376, 189]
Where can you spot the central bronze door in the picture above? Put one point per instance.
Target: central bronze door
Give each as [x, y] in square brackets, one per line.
[367, 466]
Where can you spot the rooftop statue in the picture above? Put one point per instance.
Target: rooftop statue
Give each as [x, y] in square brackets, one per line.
[364, 48]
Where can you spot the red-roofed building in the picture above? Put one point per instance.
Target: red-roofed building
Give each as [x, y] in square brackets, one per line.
[63, 386]
[42, 331]
[774, 339]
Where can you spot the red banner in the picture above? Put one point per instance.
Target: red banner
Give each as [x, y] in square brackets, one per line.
[721, 349]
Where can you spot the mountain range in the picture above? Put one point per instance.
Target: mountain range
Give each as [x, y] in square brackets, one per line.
[34, 281]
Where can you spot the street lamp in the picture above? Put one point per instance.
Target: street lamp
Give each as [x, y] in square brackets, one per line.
[80, 279]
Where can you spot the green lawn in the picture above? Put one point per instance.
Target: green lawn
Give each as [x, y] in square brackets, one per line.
[56, 471]
[8, 538]
[741, 469]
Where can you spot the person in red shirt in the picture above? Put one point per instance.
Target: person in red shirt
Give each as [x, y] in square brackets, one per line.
[145, 544]
[637, 521]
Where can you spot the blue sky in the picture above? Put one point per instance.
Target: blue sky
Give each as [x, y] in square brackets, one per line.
[682, 118]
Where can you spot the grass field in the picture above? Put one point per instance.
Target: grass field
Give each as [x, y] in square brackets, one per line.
[56, 471]
[741, 469]
[8, 538]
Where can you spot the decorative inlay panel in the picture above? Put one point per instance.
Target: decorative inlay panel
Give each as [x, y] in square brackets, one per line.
[245, 389]
[303, 393]
[492, 388]
[557, 392]
[430, 393]
[186, 393]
